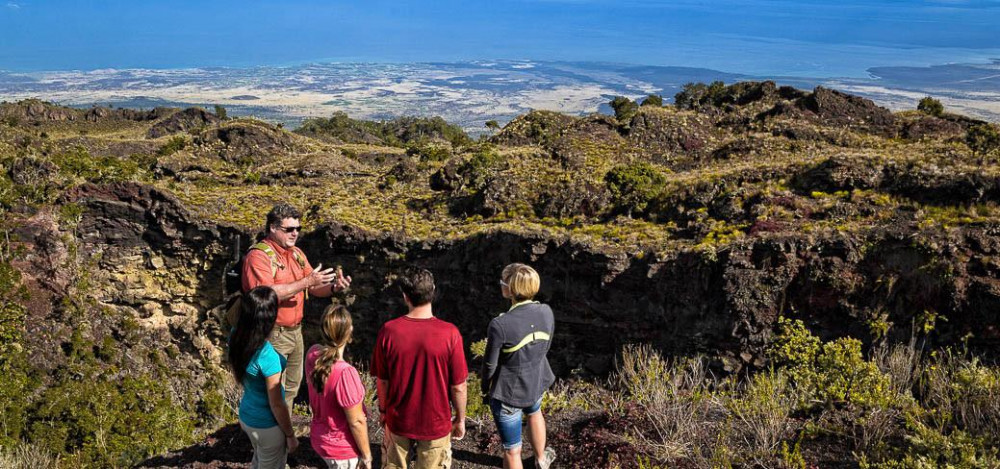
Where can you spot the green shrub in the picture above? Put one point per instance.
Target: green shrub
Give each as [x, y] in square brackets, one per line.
[174, 145]
[624, 109]
[110, 421]
[653, 100]
[399, 132]
[930, 106]
[477, 405]
[633, 186]
[929, 448]
[429, 152]
[696, 95]
[828, 372]
[483, 165]
[982, 139]
[220, 112]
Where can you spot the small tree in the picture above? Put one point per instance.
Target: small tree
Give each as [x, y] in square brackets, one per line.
[653, 100]
[931, 106]
[982, 139]
[493, 126]
[633, 186]
[220, 112]
[624, 108]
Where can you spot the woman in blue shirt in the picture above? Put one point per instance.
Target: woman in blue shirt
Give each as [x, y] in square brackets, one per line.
[264, 416]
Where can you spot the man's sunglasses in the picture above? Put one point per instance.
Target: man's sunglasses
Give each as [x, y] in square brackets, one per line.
[289, 229]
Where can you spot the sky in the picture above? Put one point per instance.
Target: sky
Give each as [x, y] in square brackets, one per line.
[767, 37]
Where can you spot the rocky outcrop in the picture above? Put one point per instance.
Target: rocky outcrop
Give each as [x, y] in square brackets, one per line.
[35, 110]
[192, 118]
[836, 109]
[533, 128]
[246, 141]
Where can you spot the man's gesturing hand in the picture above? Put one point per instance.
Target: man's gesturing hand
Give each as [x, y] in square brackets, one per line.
[321, 277]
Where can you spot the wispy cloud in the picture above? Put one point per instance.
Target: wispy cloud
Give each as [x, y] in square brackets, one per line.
[13, 6]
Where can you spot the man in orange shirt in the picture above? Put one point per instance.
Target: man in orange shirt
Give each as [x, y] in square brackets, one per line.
[277, 263]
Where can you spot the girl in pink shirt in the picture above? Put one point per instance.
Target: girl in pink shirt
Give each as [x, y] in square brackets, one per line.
[339, 429]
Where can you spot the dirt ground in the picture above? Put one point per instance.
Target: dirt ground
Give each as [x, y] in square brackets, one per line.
[229, 447]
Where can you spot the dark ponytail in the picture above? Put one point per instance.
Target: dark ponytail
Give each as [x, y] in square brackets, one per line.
[256, 320]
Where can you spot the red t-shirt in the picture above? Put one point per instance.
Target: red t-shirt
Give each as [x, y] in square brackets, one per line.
[330, 431]
[257, 272]
[421, 359]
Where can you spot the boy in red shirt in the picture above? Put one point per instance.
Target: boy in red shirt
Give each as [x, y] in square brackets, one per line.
[419, 361]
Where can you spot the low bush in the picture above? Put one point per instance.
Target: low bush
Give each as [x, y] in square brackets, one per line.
[634, 186]
[831, 372]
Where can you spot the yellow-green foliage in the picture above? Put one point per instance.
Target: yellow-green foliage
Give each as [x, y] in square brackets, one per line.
[174, 145]
[99, 169]
[478, 348]
[110, 421]
[928, 448]
[14, 379]
[477, 406]
[634, 186]
[827, 372]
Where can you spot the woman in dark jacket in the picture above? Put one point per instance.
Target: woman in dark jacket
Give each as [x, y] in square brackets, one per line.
[516, 372]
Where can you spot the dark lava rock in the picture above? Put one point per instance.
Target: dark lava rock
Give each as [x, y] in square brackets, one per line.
[405, 171]
[533, 128]
[934, 185]
[98, 113]
[251, 142]
[449, 177]
[570, 198]
[498, 196]
[840, 173]
[931, 127]
[189, 119]
[35, 110]
[663, 132]
[835, 108]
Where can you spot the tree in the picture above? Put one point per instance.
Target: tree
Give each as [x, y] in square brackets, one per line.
[220, 112]
[634, 186]
[624, 108]
[931, 106]
[493, 126]
[982, 139]
[653, 100]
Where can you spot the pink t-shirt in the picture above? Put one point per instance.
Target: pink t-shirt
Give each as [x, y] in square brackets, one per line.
[329, 432]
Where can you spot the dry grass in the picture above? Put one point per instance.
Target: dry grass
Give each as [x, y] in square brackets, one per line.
[27, 456]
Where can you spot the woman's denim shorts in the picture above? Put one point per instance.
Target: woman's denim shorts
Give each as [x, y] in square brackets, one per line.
[508, 420]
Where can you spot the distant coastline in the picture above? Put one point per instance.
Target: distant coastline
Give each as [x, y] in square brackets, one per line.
[467, 93]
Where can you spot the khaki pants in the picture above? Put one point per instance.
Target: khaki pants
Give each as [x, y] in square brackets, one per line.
[268, 446]
[431, 454]
[288, 342]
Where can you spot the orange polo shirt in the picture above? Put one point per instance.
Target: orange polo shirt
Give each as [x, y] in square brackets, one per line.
[257, 272]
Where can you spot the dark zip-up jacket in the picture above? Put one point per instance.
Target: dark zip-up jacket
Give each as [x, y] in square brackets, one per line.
[519, 378]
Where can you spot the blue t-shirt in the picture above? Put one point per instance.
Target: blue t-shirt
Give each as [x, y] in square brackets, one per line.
[255, 411]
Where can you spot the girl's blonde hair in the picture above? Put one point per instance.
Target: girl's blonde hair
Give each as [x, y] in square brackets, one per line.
[522, 281]
[336, 326]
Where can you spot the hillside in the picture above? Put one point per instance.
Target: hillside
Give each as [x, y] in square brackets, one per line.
[690, 228]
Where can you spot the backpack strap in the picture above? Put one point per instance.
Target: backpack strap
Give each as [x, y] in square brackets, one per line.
[273, 256]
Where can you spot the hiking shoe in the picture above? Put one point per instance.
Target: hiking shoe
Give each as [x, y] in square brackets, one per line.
[548, 456]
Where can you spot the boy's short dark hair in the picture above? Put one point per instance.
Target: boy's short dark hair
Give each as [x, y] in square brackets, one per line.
[418, 286]
[280, 212]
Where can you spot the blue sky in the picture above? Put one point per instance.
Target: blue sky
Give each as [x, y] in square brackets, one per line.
[805, 37]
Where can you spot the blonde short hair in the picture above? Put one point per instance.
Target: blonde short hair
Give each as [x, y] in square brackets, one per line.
[522, 281]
